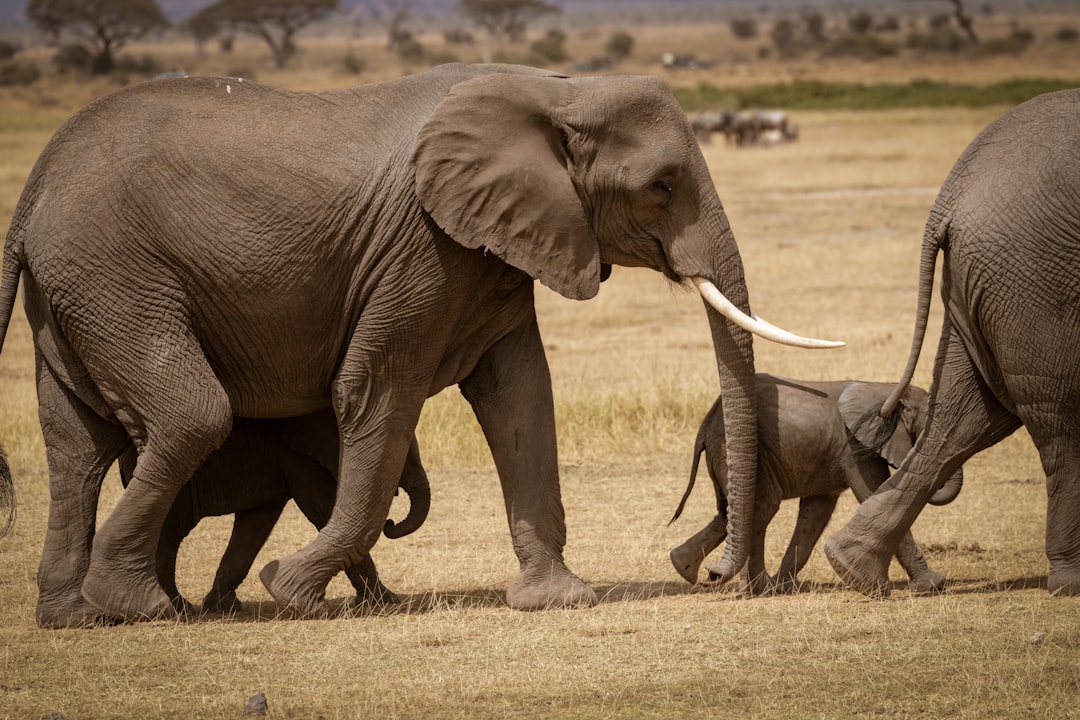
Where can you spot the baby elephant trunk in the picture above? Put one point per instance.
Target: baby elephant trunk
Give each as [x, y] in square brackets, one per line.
[414, 481]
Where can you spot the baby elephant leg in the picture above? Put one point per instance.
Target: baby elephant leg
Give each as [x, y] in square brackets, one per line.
[687, 558]
[921, 578]
[251, 529]
[814, 514]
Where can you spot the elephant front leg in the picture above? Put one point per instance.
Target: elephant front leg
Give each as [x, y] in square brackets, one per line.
[510, 392]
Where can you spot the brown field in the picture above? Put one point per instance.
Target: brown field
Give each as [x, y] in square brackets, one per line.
[829, 230]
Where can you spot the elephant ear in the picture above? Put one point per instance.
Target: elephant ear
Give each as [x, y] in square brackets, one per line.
[860, 406]
[493, 171]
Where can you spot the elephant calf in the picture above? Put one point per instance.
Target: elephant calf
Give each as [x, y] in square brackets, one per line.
[807, 450]
[253, 475]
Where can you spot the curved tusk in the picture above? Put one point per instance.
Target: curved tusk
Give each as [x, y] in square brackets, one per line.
[756, 325]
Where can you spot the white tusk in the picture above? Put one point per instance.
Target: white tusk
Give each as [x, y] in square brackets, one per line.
[756, 325]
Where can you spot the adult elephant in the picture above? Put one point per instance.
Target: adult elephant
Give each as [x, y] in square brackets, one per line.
[197, 249]
[1008, 223]
[260, 467]
[809, 448]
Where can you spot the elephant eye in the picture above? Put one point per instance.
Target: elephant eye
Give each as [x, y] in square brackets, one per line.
[665, 188]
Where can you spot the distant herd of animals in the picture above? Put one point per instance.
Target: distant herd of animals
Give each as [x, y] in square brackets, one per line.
[287, 277]
[744, 128]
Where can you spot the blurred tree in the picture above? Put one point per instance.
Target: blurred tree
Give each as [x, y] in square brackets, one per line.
[619, 46]
[551, 48]
[860, 23]
[276, 22]
[394, 13]
[101, 27]
[505, 18]
[744, 27]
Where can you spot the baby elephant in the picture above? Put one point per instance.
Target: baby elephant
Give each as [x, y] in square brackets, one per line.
[815, 439]
[253, 475]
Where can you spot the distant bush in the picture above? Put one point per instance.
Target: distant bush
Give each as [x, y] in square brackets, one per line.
[18, 72]
[457, 36]
[889, 23]
[354, 64]
[8, 49]
[860, 23]
[1013, 44]
[69, 58]
[940, 39]
[784, 37]
[551, 48]
[408, 48]
[1067, 34]
[619, 46]
[744, 28]
[866, 47]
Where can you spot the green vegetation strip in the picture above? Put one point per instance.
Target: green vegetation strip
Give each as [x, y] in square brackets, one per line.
[814, 95]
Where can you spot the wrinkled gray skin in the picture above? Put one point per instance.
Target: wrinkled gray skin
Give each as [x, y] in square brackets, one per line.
[196, 249]
[1007, 221]
[807, 450]
[256, 471]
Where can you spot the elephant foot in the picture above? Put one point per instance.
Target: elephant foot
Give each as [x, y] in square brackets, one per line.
[687, 559]
[126, 596]
[858, 566]
[68, 612]
[377, 595]
[293, 590]
[784, 585]
[225, 603]
[927, 583]
[1063, 582]
[181, 605]
[558, 589]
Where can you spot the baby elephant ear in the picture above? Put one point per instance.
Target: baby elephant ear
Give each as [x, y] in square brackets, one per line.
[860, 406]
[492, 170]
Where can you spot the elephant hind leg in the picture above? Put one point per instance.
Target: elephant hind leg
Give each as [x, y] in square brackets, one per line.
[80, 446]
[1060, 455]
[966, 418]
[176, 403]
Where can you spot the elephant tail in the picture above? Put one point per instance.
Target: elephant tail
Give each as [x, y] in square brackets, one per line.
[933, 239]
[699, 447]
[7, 494]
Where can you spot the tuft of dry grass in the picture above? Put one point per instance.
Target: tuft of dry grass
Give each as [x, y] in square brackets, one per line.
[829, 230]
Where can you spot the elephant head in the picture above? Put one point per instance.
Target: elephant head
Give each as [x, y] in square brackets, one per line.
[560, 177]
[892, 436]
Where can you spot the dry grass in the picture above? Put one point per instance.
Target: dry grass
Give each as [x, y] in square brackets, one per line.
[829, 230]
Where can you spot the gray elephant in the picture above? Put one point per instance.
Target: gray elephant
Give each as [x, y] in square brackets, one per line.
[196, 249]
[257, 470]
[807, 450]
[1007, 220]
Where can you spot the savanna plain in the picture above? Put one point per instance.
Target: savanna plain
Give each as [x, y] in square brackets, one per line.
[829, 229]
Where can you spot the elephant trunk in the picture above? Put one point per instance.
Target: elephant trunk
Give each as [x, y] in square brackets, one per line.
[735, 364]
[7, 493]
[414, 481]
[948, 492]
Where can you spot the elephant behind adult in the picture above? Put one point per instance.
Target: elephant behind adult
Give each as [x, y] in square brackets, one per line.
[261, 253]
[252, 476]
[808, 450]
[1007, 221]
